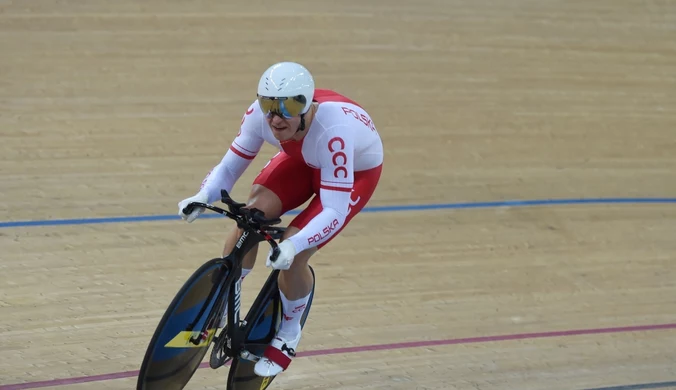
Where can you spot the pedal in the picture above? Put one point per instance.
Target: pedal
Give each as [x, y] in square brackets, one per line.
[246, 355]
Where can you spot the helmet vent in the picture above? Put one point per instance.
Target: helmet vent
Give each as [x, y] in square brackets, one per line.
[281, 84]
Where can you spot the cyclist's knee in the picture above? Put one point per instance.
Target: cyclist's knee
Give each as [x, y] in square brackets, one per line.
[303, 258]
[264, 199]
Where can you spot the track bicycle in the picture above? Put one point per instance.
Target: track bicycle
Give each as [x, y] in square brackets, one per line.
[191, 322]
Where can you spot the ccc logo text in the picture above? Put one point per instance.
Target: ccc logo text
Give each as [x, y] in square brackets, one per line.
[338, 157]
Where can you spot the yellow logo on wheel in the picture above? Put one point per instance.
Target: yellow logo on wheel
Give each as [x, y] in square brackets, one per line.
[266, 382]
[182, 340]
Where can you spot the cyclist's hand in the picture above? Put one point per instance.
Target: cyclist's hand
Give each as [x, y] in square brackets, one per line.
[287, 251]
[199, 197]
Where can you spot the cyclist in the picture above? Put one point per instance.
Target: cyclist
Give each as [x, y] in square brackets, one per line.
[329, 152]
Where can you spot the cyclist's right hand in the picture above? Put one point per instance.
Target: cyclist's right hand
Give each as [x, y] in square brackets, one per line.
[199, 197]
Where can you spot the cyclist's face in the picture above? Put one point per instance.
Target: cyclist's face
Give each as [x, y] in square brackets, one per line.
[283, 128]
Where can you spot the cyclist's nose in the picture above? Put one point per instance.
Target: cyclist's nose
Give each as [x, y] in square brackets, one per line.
[277, 119]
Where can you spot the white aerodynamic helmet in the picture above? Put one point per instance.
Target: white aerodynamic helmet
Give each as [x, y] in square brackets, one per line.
[286, 88]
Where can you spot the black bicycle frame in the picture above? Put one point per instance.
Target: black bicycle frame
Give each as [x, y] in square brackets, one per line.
[244, 244]
[250, 221]
[234, 280]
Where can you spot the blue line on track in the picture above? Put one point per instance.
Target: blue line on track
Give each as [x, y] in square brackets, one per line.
[374, 209]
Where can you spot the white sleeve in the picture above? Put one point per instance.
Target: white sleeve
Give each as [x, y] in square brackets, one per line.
[237, 159]
[335, 152]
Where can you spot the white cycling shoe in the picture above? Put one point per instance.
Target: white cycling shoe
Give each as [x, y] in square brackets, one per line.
[277, 356]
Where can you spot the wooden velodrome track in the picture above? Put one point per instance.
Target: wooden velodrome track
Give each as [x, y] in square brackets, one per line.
[119, 108]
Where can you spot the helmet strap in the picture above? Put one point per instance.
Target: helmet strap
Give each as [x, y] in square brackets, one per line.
[301, 127]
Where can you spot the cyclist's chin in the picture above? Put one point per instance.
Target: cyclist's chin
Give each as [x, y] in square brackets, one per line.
[283, 134]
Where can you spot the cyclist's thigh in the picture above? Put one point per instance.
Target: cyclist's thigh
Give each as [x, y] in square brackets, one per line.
[282, 185]
[365, 183]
